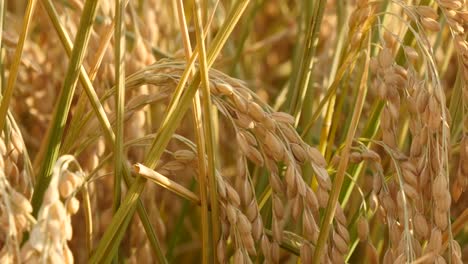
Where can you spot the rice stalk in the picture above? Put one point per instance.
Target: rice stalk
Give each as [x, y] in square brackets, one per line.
[98, 109]
[198, 122]
[63, 106]
[208, 123]
[167, 128]
[302, 83]
[338, 181]
[8, 92]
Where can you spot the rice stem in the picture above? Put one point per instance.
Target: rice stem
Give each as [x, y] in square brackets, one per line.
[301, 86]
[60, 115]
[339, 177]
[208, 125]
[8, 92]
[112, 236]
[198, 124]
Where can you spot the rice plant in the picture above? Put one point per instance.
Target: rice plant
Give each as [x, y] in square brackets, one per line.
[208, 131]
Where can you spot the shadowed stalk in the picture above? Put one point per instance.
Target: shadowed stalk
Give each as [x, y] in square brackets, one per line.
[457, 108]
[8, 92]
[301, 86]
[177, 109]
[119, 40]
[119, 64]
[62, 108]
[305, 13]
[248, 25]
[340, 174]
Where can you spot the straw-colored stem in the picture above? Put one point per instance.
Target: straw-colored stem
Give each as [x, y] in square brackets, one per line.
[198, 124]
[101, 50]
[457, 108]
[207, 125]
[166, 183]
[8, 93]
[339, 177]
